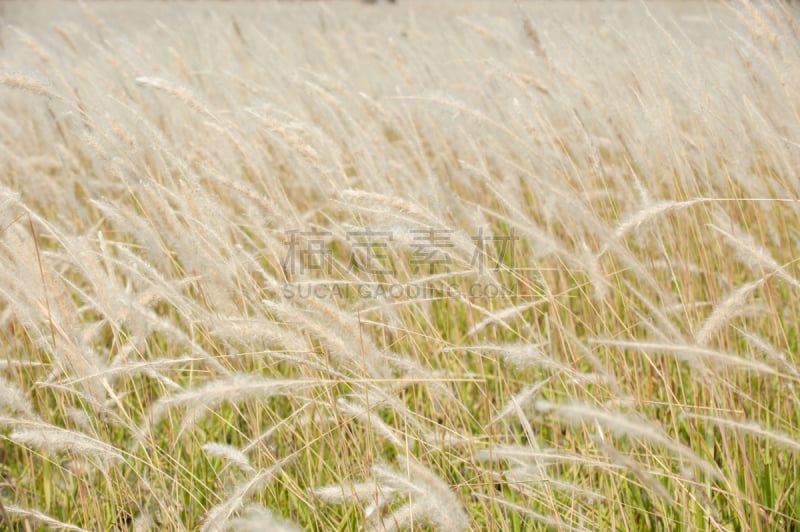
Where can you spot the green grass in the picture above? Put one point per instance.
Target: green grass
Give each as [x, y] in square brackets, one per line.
[628, 361]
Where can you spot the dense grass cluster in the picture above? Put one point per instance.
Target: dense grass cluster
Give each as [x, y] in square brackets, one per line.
[437, 266]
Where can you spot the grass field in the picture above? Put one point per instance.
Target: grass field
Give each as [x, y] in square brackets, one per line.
[432, 266]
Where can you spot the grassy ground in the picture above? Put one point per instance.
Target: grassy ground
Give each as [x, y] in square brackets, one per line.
[442, 266]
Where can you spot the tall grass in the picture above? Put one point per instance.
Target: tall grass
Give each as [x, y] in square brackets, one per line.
[437, 266]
